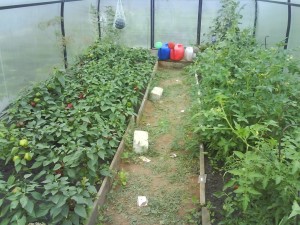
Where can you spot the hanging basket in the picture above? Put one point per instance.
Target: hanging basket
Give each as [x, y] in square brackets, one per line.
[119, 20]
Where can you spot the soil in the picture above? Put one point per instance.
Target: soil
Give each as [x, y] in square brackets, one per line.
[169, 183]
[214, 183]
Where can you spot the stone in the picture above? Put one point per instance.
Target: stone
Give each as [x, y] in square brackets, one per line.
[140, 141]
[156, 93]
[142, 201]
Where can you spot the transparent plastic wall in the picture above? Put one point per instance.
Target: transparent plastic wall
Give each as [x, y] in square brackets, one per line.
[28, 47]
[31, 42]
[81, 28]
[176, 21]
[294, 39]
[210, 10]
[247, 10]
[137, 13]
[271, 23]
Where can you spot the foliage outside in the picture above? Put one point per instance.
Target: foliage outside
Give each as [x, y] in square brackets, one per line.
[249, 119]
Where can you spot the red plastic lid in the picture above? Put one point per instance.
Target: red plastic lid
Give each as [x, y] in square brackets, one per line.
[171, 45]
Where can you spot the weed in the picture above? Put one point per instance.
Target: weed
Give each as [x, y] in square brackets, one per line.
[193, 216]
[161, 127]
[128, 156]
[123, 176]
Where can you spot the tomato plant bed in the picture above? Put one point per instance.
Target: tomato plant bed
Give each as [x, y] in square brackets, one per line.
[59, 137]
[214, 183]
[248, 118]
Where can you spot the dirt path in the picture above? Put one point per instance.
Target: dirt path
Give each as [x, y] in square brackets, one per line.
[170, 184]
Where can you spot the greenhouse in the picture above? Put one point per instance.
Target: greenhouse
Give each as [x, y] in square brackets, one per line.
[131, 112]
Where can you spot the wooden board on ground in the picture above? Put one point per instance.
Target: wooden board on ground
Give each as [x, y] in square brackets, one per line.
[173, 64]
[202, 174]
[205, 216]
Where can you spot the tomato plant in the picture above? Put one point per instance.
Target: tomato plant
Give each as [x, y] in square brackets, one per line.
[248, 117]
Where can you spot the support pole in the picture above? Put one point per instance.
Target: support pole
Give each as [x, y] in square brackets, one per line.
[199, 21]
[63, 34]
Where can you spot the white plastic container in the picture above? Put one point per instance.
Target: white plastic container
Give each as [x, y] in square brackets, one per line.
[189, 53]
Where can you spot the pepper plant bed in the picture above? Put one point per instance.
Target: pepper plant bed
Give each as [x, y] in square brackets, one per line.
[115, 164]
[60, 136]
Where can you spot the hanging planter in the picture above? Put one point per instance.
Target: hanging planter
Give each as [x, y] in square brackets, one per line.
[119, 21]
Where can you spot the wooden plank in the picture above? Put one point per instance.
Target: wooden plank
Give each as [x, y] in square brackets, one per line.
[202, 164]
[205, 216]
[202, 173]
[202, 194]
[105, 187]
[174, 64]
[141, 110]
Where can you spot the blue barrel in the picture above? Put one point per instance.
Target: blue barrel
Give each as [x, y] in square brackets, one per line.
[164, 52]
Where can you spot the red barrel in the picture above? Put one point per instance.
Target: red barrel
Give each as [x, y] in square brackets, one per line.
[177, 53]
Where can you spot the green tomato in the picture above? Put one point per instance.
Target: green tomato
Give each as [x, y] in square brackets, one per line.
[38, 94]
[27, 156]
[23, 143]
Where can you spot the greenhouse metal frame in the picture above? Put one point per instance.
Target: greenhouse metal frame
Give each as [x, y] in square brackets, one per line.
[234, 91]
[289, 5]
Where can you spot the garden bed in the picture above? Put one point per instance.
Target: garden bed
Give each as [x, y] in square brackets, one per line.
[248, 117]
[214, 183]
[115, 164]
[59, 137]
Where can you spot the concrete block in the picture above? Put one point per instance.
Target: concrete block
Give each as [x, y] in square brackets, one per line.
[140, 141]
[156, 93]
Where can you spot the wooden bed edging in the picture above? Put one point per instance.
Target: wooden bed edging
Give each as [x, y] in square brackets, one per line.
[107, 182]
[205, 216]
[173, 64]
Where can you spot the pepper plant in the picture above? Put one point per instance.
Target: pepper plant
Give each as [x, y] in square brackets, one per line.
[58, 138]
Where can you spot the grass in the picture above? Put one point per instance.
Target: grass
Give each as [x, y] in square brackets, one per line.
[168, 183]
[162, 208]
[162, 127]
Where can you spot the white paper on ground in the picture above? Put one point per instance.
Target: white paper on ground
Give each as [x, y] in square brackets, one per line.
[144, 159]
[142, 201]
